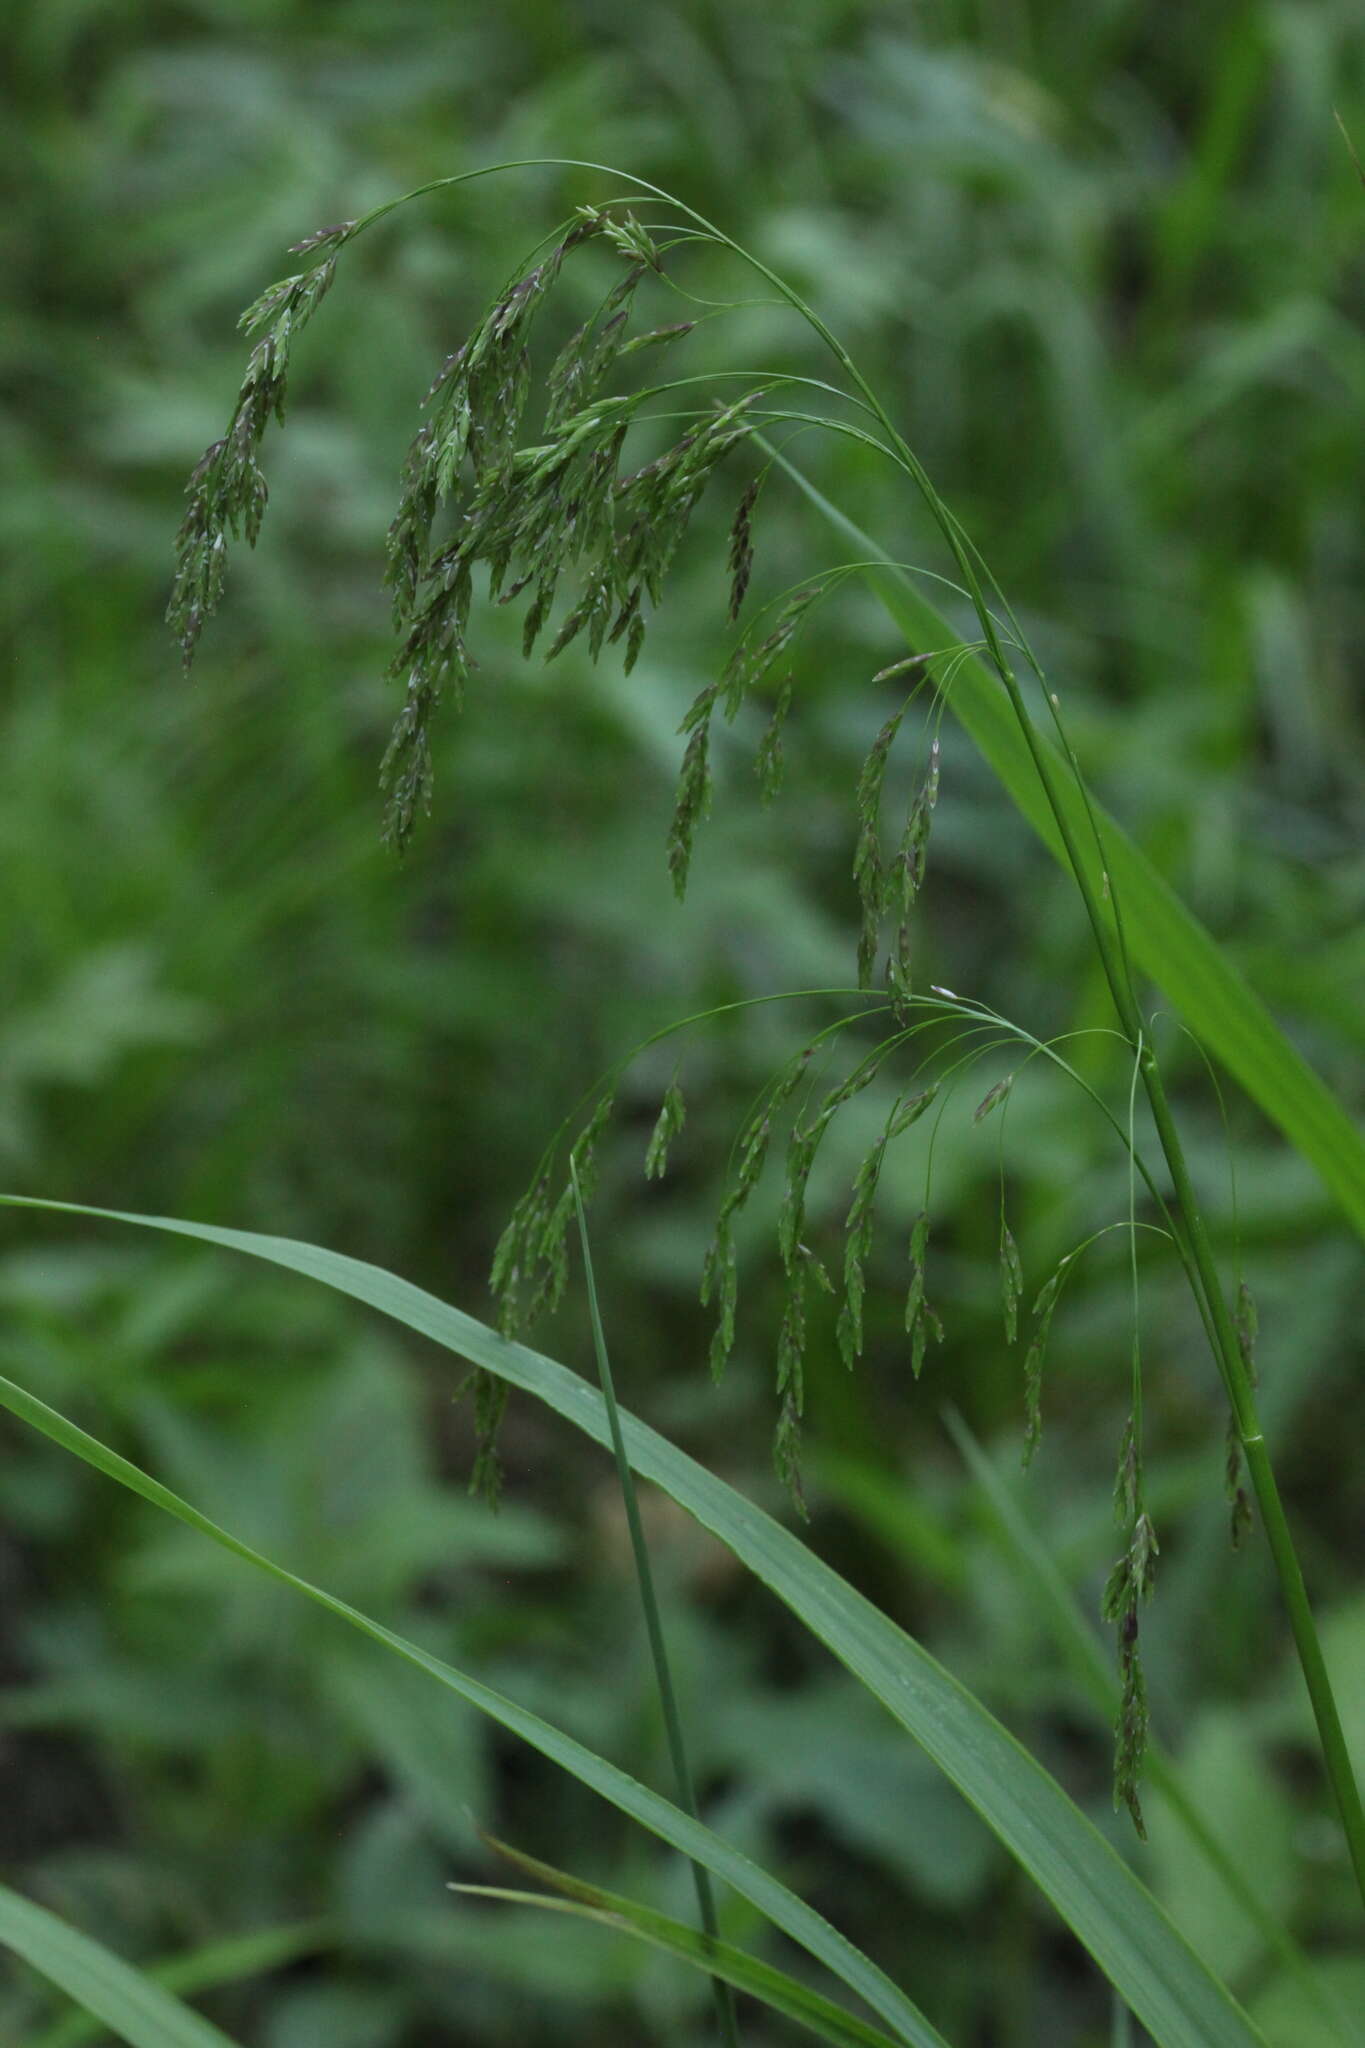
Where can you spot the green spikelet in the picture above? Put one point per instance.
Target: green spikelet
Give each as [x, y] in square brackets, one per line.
[672, 1117]
[859, 1222]
[1248, 1326]
[804, 1144]
[1043, 1309]
[693, 802]
[490, 1403]
[1128, 1587]
[740, 562]
[720, 1277]
[1011, 1280]
[768, 763]
[992, 1096]
[1239, 1501]
[921, 1321]
[857, 1247]
[791, 1348]
[867, 859]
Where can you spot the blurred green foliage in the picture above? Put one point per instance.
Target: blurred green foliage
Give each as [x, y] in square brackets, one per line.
[1107, 262]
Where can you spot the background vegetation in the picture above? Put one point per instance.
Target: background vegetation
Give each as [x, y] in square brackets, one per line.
[1108, 260]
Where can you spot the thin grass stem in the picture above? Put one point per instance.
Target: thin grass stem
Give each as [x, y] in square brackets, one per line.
[687, 1798]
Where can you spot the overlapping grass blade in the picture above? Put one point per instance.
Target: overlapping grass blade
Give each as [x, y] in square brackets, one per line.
[1167, 1986]
[1165, 938]
[774, 1900]
[719, 1959]
[229, 1961]
[140, 2011]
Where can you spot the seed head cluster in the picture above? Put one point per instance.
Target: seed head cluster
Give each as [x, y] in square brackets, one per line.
[227, 490]
[561, 508]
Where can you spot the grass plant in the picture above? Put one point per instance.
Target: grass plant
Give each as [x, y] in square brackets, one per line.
[590, 480]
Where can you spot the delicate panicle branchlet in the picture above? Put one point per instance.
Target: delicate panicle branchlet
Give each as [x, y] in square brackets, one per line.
[531, 1263]
[720, 1279]
[753, 660]
[672, 1116]
[324, 238]
[576, 375]
[626, 235]
[859, 1221]
[791, 1397]
[1044, 1308]
[691, 806]
[532, 513]
[227, 490]
[921, 1320]
[1129, 1585]
[1011, 1281]
[867, 858]
[992, 1096]
[740, 561]
[891, 890]
[805, 1142]
[769, 765]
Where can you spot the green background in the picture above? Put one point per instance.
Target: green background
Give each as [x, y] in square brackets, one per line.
[1105, 264]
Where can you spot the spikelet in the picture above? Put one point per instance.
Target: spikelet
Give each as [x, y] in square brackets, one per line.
[671, 1118]
[1127, 1588]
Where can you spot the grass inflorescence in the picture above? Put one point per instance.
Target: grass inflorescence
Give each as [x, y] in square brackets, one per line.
[535, 488]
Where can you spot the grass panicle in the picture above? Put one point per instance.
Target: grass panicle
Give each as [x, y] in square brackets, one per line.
[531, 512]
[690, 807]
[227, 489]
[805, 1142]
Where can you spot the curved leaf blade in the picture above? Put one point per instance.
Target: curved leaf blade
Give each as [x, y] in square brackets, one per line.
[133, 2006]
[1116, 1919]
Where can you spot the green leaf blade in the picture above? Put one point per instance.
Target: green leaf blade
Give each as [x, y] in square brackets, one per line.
[131, 2004]
[1116, 1919]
